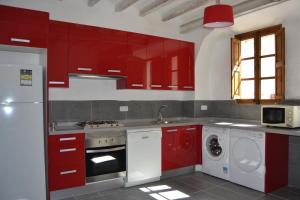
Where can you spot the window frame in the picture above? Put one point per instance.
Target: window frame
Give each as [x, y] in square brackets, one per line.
[257, 35]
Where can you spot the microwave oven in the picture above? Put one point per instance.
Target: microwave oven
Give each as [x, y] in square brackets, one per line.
[280, 116]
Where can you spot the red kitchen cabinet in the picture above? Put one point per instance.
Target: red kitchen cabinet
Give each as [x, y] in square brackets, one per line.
[113, 52]
[172, 56]
[66, 161]
[169, 148]
[57, 69]
[23, 27]
[84, 49]
[277, 161]
[190, 143]
[181, 146]
[186, 66]
[137, 66]
[155, 59]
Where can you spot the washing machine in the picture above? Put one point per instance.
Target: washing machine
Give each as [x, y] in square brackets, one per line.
[247, 158]
[215, 151]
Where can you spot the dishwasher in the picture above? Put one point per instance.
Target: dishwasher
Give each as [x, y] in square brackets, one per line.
[143, 149]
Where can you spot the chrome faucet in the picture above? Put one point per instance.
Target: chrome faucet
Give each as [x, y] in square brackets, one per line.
[160, 118]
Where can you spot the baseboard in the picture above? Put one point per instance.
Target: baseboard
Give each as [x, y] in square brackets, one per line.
[130, 184]
[198, 168]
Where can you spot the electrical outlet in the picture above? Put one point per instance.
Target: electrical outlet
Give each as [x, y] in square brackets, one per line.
[123, 108]
[204, 107]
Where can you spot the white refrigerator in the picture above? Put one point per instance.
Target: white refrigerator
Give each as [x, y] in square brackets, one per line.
[22, 146]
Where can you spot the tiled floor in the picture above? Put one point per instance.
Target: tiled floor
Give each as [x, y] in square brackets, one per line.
[196, 186]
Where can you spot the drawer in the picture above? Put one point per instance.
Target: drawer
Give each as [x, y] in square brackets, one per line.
[66, 175]
[66, 155]
[191, 129]
[66, 141]
[169, 130]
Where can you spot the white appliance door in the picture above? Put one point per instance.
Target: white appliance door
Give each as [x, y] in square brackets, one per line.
[21, 83]
[22, 155]
[143, 156]
[247, 161]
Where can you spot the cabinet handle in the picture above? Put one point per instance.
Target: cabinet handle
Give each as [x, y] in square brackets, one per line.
[145, 137]
[84, 69]
[172, 86]
[190, 129]
[172, 130]
[68, 172]
[156, 86]
[19, 40]
[137, 85]
[67, 150]
[188, 87]
[67, 139]
[114, 71]
[57, 82]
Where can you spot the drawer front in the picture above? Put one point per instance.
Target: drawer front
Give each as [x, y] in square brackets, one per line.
[69, 155]
[58, 142]
[66, 175]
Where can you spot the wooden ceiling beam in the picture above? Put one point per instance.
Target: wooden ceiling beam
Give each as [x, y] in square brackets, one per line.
[184, 8]
[92, 3]
[124, 4]
[154, 7]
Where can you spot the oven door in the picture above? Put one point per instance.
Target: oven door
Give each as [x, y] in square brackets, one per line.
[273, 115]
[105, 163]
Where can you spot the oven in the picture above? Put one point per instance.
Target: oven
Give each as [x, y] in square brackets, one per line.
[105, 156]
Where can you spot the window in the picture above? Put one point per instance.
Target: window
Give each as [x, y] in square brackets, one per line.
[258, 59]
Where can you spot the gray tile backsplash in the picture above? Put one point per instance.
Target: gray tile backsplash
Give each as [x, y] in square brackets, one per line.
[70, 110]
[64, 111]
[227, 109]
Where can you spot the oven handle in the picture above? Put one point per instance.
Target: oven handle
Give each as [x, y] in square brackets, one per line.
[104, 150]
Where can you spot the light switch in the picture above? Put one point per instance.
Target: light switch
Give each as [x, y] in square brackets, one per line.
[204, 107]
[123, 108]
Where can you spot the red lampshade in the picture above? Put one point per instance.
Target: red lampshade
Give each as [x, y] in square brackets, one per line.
[218, 16]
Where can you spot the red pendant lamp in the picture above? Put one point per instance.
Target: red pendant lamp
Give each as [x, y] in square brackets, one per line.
[218, 16]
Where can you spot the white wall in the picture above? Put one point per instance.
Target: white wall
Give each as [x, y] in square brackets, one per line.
[213, 60]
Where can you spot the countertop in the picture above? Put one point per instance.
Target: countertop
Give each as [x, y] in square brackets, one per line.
[252, 125]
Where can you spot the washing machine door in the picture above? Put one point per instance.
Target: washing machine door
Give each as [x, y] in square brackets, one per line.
[214, 147]
[246, 154]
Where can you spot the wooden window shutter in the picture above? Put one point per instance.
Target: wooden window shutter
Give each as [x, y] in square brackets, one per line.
[280, 64]
[235, 68]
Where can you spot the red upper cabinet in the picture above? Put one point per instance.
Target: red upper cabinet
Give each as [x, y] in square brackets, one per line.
[22, 27]
[57, 69]
[137, 67]
[113, 52]
[186, 66]
[172, 56]
[84, 53]
[155, 59]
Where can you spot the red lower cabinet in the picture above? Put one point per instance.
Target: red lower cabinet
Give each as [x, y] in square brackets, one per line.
[181, 146]
[66, 161]
[277, 161]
